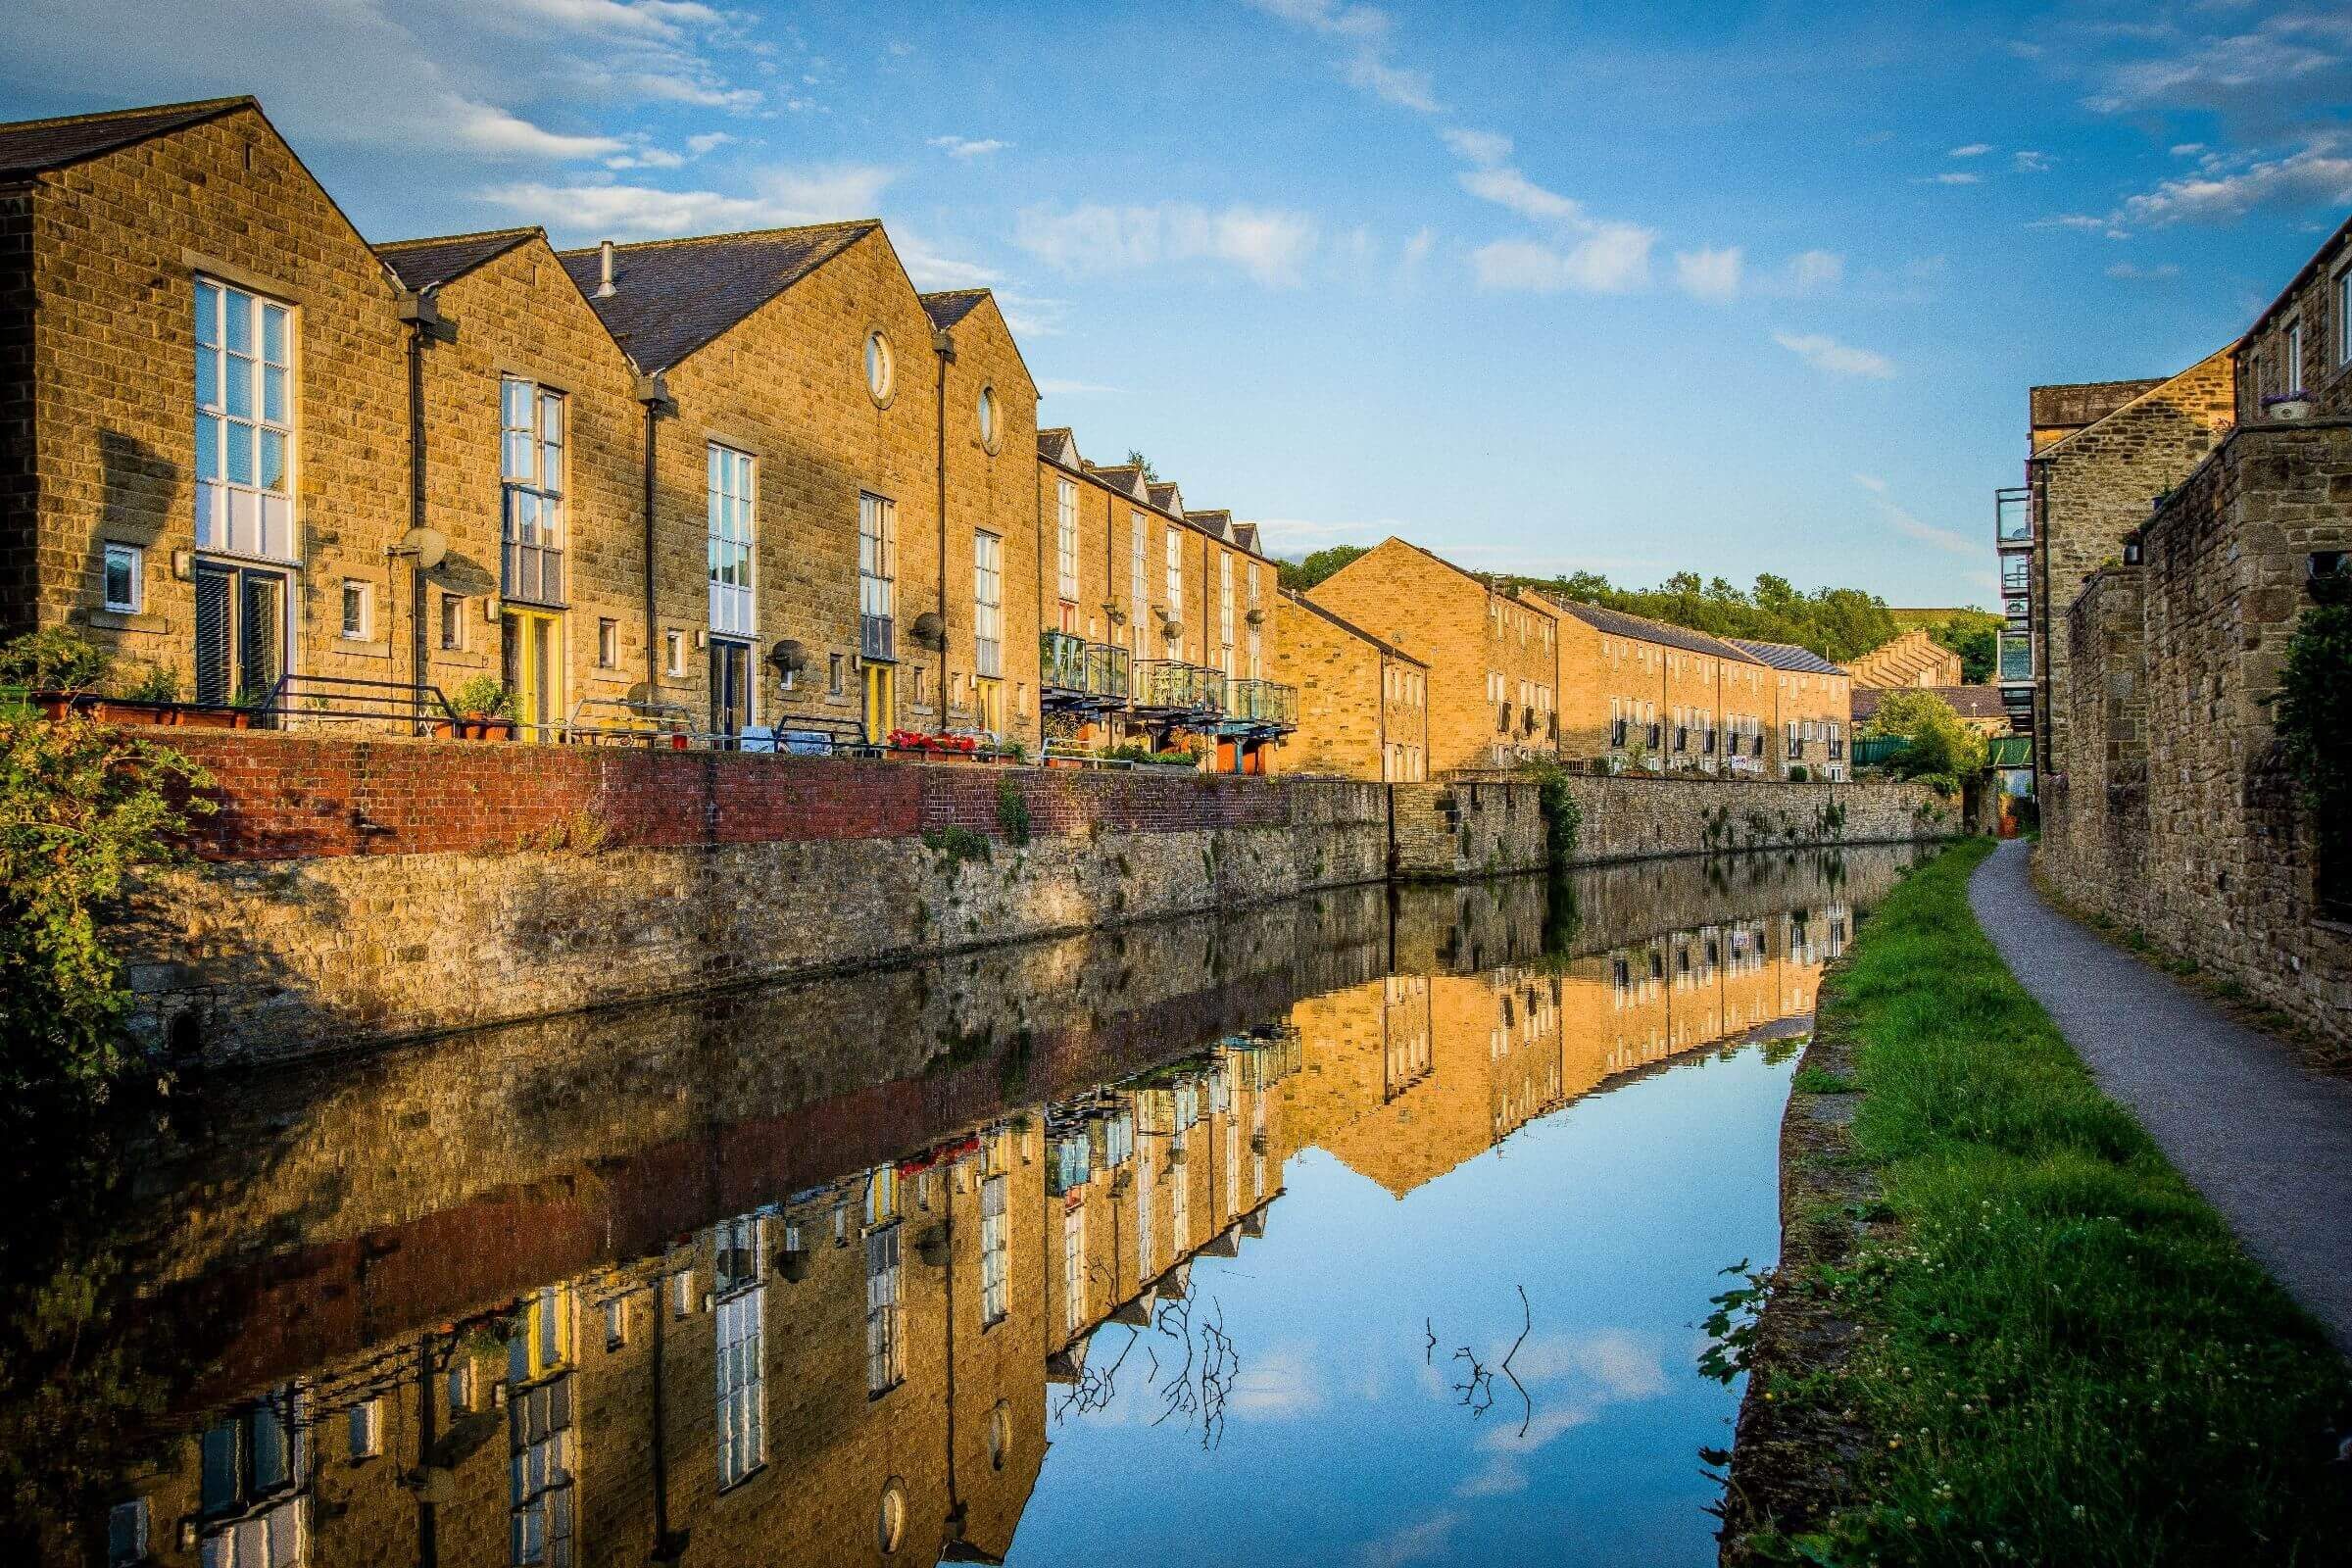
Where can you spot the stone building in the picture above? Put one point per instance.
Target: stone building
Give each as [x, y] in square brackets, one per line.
[1914, 659]
[2293, 360]
[1492, 653]
[2102, 454]
[1363, 705]
[1644, 694]
[1812, 703]
[1979, 708]
[1159, 622]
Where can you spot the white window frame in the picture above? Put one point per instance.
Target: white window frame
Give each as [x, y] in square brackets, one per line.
[731, 494]
[531, 477]
[995, 1282]
[1073, 1268]
[673, 652]
[1225, 607]
[608, 643]
[361, 592]
[1138, 565]
[741, 1389]
[885, 1313]
[135, 563]
[988, 605]
[1173, 582]
[253, 517]
[2342, 303]
[452, 631]
[2290, 338]
[1065, 551]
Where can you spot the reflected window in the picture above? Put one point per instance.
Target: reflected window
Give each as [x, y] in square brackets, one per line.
[366, 1421]
[126, 1534]
[539, 1471]
[742, 1370]
[885, 1328]
[541, 1344]
[1143, 1213]
[252, 1464]
[1073, 1268]
[995, 1249]
[1000, 1435]
[881, 1196]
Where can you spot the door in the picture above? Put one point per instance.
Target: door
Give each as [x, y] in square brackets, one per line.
[240, 634]
[730, 686]
[534, 671]
[881, 692]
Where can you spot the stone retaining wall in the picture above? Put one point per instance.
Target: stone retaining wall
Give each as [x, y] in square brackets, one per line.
[1634, 817]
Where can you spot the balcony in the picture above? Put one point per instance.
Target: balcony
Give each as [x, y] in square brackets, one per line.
[1171, 686]
[877, 637]
[2013, 657]
[1078, 673]
[2013, 519]
[1263, 704]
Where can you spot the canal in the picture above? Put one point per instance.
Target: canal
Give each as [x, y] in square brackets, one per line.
[1372, 1228]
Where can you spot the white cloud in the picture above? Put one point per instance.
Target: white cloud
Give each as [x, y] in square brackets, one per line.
[1955, 178]
[1812, 270]
[647, 157]
[1270, 245]
[655, 19]
[2030, 162]
[2236, 71]
[1367, 64]
[1416, 251]
[1484, 148]
[1612, 261]
[2318, 175]
[708, 141]
[1871, 482]
[962, 147]
[2129, 273]
[1415, 1542]
[1507, 187]
[2187, 149]
[930, 268]
[1911, 527]
[642, 212]
[1405, 88]
[1975, 149]
[1708, 274]
[485, 128]
[1827, 353]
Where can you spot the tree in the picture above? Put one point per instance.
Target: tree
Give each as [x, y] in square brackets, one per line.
[1937, 749]
[1301, 575]
[1143, 465]
[1970, 634]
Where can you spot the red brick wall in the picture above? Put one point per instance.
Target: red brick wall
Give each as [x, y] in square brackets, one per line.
[286, 796]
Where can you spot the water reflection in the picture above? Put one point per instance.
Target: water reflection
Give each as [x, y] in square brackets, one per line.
[818, 1274]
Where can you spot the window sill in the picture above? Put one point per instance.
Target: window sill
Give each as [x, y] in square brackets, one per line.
[360, 648]
[124, 620]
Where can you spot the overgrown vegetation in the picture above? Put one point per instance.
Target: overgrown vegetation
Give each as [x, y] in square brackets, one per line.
[1563, 818]
[1835, 622]
[2312, 710]
[56, 660]
[1938, 750]
[1012, 810]
[1970, 634]
[956, 845]
[1302, 575]
[82, 808]
[2063, 1356]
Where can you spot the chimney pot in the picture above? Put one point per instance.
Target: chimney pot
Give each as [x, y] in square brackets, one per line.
[604, 272]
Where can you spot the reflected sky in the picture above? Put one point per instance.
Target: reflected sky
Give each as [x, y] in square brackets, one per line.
[1369, 1228]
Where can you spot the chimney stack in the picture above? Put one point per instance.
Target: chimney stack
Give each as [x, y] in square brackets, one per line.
[603, 274]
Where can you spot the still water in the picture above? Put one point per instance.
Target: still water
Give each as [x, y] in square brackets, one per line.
[1373, 1228]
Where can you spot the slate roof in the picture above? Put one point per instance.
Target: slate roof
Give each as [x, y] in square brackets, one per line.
[422, 263]
[672, 296]
[1245, 534]
[1787, 656]
[1351, 628]
[34, 146]
[1969, 702]
[1123, 477]
[1056, 444]
[950, 305]
[1165, 496]
[1617, 624]
[1217, 521]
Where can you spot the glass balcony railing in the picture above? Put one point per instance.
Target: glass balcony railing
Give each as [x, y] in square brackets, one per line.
[1169, 685]
[1061, 662]
[1262, 701]
[1075, 668]
[2013, 659]
[2012, 518]
[1106, 669]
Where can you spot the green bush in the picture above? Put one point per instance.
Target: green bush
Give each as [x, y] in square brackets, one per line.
[2310, 709]
[1938, 750]
[56, 660]
[82, 806]
[1012, 810]
[483, 697]
[1563, 818]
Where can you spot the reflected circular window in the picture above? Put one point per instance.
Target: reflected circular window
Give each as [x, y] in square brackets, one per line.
[891, 1529]
[880, 369]
[987, 417]
[1000, 1435]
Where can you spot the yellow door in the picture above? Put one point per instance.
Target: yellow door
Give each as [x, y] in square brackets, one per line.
[534, 670]
[881, 702]
[988, 705]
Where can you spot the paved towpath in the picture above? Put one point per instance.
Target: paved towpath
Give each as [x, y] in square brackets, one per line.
[2268, 1144]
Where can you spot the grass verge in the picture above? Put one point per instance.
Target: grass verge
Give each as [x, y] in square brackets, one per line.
[2004, 1329]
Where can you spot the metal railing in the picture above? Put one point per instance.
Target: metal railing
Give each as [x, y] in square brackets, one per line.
[2012, 518]
[1255, 700]
[2013, 659]
[1077, 672]
[1172, 686]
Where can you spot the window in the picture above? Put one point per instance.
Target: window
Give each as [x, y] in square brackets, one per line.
[885, 1346]
[1065, 549]
[833, 675]
[608, 643]
[1175, 583]
[539, 1472]
[240, 632]
[1134, 583]
[125, 578]
[681, 1292]
[357, 608]
[453, 621]
[531, 461]
[730, 546]
[2293, 361]
[457, 1385]
[673, 652]
[1225, 607]
[994, 1249]
[126, 1534]
[880, 369]
[919, 698]
[2344, 316]
[988, 604]
[1073, 1268]
[616, 1323]
[244, 422]
[877, 577]
[366, 1429]
[742, 1379]
[987, 413]
[248, 1457]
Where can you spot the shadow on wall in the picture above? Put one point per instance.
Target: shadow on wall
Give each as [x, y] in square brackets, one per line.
[201, 968]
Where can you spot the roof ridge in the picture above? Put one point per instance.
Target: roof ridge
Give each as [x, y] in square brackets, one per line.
[1350, 627]
[2229, 347]
[455, 239]
[742, 233]
[191, 105]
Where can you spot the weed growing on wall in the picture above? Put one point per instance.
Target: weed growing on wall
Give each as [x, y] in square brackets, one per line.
[1012, 810]
[1563, 818]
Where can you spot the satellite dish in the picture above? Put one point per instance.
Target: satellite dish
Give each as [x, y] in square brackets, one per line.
[430, 546]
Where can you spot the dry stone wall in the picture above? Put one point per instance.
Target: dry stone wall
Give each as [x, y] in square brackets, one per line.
[1632, 816]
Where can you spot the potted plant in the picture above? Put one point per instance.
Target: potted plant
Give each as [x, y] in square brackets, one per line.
[56, 665]
[485, 709]
[2294, 404]
[152, 699]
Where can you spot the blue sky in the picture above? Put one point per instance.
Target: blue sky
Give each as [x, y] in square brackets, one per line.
[1733, 288]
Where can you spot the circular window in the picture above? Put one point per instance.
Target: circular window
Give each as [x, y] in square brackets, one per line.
[880, 371]
[891, 1529]
[1000, 1435]
[987, 417]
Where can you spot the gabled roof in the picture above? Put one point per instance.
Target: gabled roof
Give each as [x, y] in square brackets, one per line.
[950, 305]
[1217, 521]
[1969, 702]
[1124, 478]
[1350, 627]
[422, 263]
[34, 146]
[1245, 534]
[1535, 602]
[2074, 439]
[1165, 496]
[1060, 446]
[1787, 656]
[1617, 624]
[672, 296]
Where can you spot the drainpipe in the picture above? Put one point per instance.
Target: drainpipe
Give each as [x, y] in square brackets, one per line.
[424, 318]
[654, 392]
[944, 346]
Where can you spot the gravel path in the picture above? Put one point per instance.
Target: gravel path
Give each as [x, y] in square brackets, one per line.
[2268, 1144]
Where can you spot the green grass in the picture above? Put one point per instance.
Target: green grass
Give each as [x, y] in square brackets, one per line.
[1812, 1080]
[2066, 1356]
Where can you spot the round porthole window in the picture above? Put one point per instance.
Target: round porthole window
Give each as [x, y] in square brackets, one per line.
[987, 417]
[891, 1529]
[1000, 1435]
[881, 377]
